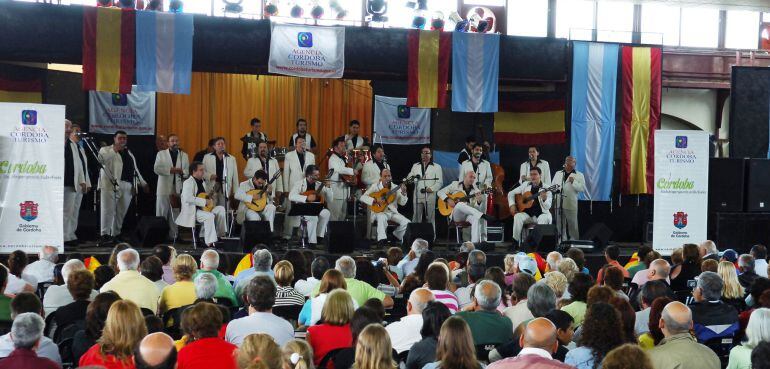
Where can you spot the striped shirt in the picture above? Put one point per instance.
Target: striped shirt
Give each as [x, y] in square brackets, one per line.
[285, 296]
[447, 298]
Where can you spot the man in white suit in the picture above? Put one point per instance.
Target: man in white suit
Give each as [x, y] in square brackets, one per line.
[352, 139]
[539, 212]
[257, 182]
[121, 163]
[470, 210]
[483, 171]
[76, 181]
[218, 165]
[391, 212]
[339, 205]
[294, 166]
[425, 189]
[534, 161]
[370, 175]
[171, 166]
[192, 206]
[316, 226]
[572, 183]
[310, 143]
[268, 164]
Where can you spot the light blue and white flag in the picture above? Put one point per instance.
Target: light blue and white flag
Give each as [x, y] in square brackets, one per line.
[164, 51]
[475, 69]
[594, 85]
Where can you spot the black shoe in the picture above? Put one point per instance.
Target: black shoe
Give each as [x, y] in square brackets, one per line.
[104, 240]
[488, 218]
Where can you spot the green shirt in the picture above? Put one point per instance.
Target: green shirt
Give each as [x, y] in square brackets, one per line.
[632, 270]
[577, 310]
[359, 291]
[488, 327]
[224, 288]
[5, 307]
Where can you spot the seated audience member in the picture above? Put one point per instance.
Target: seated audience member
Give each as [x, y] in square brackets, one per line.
[286, 295]
[311, 311]
[298, 264]
[424, 351]
[205, 349]
[733, 292]
[417, 278]
[485, 322]
[102, 275]
[182, 292]
[376, 306]
[123, 331]
[641, 277]
[747, 268]
[729, 255]
[80, 284]
[709, 265]
[455, 348]
[17, 261]
[510, 271]
[358, 290]
[153, 323]
[259, 351]
[263, 267]
[297, 354]
[679, 349]
[538, 343]
[409, 263]
[553, 259]
[569, 268]
[497, 275]
[711, 317]
[602, 331]
[96, 316]
[613, 278]
[557, 281]
[394, 256]
[406, 332]
[437, 279]
[519, 312]
[654, 334]
[688, 270]
[373, 349]
[166, 254]
[130, 285]
[58, 296]
[579, 258]
[26, 302]
[156, 351]
[42, 269]
[644, 263]
[611, 255]
[375, 275]
[209, 264]
[757, 331]
[152, 269]
[345, 357]
[474, 273]
[564, 334]
[648, 293]
[708, 250]
[759, 252]
[627, 317]
[760, 356]
[318, 267]
[113, 261]
[628, 356]
[756, 290]
[5, 301]
[334, 332]
[578, 290]
[659, 270]
[540, 300]
[27, 332]
[599, 293]
[677, 256]
[260, 293]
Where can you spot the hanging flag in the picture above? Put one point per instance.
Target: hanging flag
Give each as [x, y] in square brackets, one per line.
[92, 263]
[641, 117]
[475, 67]
[247, 261]
[594, 80]
[108, 49]
[530, 122]
[428, 68]
[307, 51]
[24, 91]
[398, 124]
[164, 51]
[632, 262]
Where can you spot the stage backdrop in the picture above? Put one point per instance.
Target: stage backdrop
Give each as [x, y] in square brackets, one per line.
[31, 176]
[681, 189]
[398, 124]
[133, 113]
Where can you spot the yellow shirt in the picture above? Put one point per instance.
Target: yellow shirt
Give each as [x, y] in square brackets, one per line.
[131, 285]
[176, 295]
[646, 342]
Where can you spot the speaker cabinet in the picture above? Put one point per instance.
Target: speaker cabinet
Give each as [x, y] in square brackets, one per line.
[600, 234]
[254, 232]
[726, 184]
[418, 230]
[758, 186]
[543, 238]
[741, 231]
[151, 231]
[340, 237]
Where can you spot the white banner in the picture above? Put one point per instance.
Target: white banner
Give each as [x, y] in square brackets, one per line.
[307, 51]
[31, 176]
[133, 113]
[398, 124]
[681, 189]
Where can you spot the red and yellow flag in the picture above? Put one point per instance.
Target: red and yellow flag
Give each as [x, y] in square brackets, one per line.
[530, 122]
[91, 263]
[27, 91]
[428, 68]
[641, 84]
[109, 39]
[247, 261]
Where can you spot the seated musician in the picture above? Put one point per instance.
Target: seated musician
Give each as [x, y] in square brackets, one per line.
[257, 182]
[539, 212]
[466, 211]
[306, 190]
[391, 212]
[193, 206]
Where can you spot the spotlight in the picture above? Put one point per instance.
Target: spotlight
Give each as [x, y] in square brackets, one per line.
[422, 4]
[175, 6]
[437, 24]
[104, 3]
[154, 5]
[271, 10]
[233, 6]
[418, 22]
[127, 4]
[377, 10]
[297, 11]
[317, 12]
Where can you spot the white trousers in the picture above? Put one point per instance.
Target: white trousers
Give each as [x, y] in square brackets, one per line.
[382, 224]
[70, 221]
[268, 214]
[466, 213]
[429, 208]
[316, 226]
[338, 209]
[163, 209]
[520, 219]
[571, 221]
[112, 216]
[214, 223]
[288, 222]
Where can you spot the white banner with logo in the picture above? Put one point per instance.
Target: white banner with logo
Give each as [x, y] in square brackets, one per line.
[307, 51]
[133, 113]
[681, 189]
[31, 176]
[398, 124]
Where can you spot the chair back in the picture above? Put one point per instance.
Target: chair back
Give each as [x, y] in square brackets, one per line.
[328, 357]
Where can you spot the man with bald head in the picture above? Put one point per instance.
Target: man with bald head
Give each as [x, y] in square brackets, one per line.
[538, 343]
[487, 325]
[679, 349]
[406, 332]
[155, 351]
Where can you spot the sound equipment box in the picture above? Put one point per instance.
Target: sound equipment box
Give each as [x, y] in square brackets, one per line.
[151, 231]
[340, 237]
[418, 230]
[758, 186]
[726, 184]
[600, 234]
[254, 232]
[741, 231]
[542, 238]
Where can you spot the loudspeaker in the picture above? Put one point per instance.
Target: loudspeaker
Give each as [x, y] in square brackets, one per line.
[254, 232]
[543, 238]
[758, 186]
[726, 184]
[151, 231]
[741, 231]
[340, 237]
[418, 230]
[600, 234]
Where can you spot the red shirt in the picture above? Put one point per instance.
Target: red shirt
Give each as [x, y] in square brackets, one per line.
[26, 359]
[94, 357]
[325, 337]
[207, 353]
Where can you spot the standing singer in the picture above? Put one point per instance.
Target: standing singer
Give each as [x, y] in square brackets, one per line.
[219, 164]
[76, 180]
[425, 189]
[171, 166]
[572, 183]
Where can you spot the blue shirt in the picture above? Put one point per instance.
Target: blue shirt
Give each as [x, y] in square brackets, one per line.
[244, 277]
[580, 357]
[305, 313]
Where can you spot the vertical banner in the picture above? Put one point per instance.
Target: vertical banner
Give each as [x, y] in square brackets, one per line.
[31, 176]
[133, 113]
[428, 68]
[307, 51]
[475, 71]
[681, 189]
[164, 51]
[398, 124]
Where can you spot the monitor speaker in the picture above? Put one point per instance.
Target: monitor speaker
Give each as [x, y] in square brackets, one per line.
[726, 184]
[758, 186]
[254, 232]
[418, 230]
[542, 238]
[151, 231]
[600, 234]
[340, 237]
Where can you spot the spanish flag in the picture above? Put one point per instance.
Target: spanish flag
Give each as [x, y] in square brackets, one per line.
[428, 68]
[641, 85]
[246, 262]
[109, 39]
[632, 262]
[25, 91]
[530, 122]
[91, 263]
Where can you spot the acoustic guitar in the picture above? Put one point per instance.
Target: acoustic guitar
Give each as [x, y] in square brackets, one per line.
[209, 197]
[527, 199]
[319, 198]
[459, 196]
[260, 196]
[388, 195]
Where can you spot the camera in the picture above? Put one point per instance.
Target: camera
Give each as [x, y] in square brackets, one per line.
[692, 283]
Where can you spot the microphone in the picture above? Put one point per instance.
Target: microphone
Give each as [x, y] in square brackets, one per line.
[83, 134]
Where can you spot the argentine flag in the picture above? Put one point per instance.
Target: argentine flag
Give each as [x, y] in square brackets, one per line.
[475, 69]
[164, 51]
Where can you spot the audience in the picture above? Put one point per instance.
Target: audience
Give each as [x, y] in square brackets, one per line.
[262, 267]
[760, 356]
[17, 261]
[42, 269]
[104, 274]
[204, 348]
[318, 267]
[759, 252]
[709, 265]
[80, 284]
[651, 271]
[334, 331]
[409, 263]
[557, 281]
[553, 260]
[260, 293]
[285, 294]
[569, 268]
[627, 356]
[613, 278]
[259, 350]
[538, 343]
[578, 290]
[130, 285]
[643, 263]
[311, 311]
[297, 354]
[27, 332]
[747, 267]
[711, 317]
[473, 274]
[733, 293]
[345, 357]
[690, 267]
[5, 300]
[156, 351]
[653, 334]
[123, 330]
[758, 331]
[708, 250]
[166, 254]
[627, 317]
[602, 331]
[437, 279]
[649, 292]
[424, 351]
[519, 312]
[182, 292]
[611, 255]
[209, 264]
[373, 349]
[96, 317]
[113, 261]
[455, 348]
[579, 258]
[406, 332]
[486, 324]
[299, 265]
[24, 303]
[360, 291]
[152, 269]
[679, 349]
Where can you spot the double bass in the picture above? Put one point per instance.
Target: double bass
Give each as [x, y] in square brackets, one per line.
[500, 208]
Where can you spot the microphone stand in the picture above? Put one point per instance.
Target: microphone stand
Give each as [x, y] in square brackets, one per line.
[135, 185]
[110, 176]
[225, 191]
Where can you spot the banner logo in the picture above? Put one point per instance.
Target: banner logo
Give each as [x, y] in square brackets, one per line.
[404, 112]
[680, 219]
[119, 100]
[305, 39]
[680, 142]
[28, 210]
[29, 117]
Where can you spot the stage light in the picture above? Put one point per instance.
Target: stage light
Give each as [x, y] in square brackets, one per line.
[418, 22]
[437, 24]
[127, 4]
[271, 10]
[337, 8]
[154, 5]
[104, 3]
[422, 5]
[377, 10]
[482, 20]
[233, 6]
[175, 6]
[317, 12]
[297, 11]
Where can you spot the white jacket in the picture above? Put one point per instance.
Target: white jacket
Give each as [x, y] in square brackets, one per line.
[210, 165]
[293, 171]
[432, 171]
[569, 191]
[242, 196]
[301, 186]
[114, 162]
[253, 165]
[80, 173]
[401, 200]
[162, 168]
[483, 172]
[338, 185]
[457, 186]
[371, 173]
[544, 167]
[360, 142]
[545, 205]
[190, 202]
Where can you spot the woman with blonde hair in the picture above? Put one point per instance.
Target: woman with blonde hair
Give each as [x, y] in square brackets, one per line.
[334, 331]
[182, 292]
[374, 350]
[259, 351]
[557, 281]
[313, 308]
[569, 268]
[285, 294]
[510, 272]
[297, 354]
[122, 332]
[732, 291]
[455, 349]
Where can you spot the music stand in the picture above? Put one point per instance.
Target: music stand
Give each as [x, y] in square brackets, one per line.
[302, 210]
